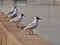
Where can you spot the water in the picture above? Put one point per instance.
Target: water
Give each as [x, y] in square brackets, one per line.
[49, 28]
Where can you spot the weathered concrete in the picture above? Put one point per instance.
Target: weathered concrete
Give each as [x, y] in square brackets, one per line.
[50, 25]
[13, 35]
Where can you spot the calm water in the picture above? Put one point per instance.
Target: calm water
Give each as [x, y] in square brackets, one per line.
[49, 28]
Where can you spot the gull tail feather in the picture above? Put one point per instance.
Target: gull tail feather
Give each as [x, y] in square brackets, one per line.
[23, 27]
[10, 21]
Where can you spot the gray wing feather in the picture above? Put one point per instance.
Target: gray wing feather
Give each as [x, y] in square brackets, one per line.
[29, 26]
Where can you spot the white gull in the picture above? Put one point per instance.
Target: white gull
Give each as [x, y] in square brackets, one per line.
[32, 25]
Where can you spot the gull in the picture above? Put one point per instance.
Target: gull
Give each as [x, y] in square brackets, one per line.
[10, 11]
[32, 25]
[14, 14]
[17, 19]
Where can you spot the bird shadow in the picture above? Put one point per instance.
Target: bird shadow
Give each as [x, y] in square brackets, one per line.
[32, 34]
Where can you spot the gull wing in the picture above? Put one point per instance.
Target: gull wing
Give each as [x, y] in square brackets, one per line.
[13, 14]
[10, 11]
[14, 19]
[29, 26]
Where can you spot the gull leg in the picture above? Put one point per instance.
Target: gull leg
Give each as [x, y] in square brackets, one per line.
[17, 24]
[31, 32]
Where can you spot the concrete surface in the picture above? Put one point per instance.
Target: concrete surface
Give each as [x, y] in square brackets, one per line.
[13, 35]
[50, 25]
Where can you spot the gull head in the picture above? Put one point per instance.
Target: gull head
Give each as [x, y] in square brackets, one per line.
[22, 14]
[14, 6]
[38, 18]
